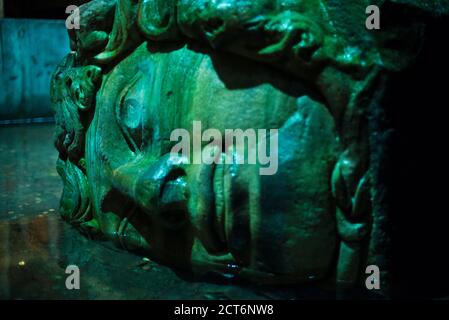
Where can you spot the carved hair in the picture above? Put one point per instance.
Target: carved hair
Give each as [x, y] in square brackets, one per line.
[297, 38]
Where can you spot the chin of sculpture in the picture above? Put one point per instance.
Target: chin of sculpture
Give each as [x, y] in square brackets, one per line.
[141, 69]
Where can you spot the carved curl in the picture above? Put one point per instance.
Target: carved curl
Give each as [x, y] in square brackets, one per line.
[73, 91]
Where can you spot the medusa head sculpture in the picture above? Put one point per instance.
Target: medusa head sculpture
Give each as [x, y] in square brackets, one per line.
[141, 69]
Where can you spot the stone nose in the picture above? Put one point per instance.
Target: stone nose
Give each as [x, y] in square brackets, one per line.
[173, 211]
[158, 187]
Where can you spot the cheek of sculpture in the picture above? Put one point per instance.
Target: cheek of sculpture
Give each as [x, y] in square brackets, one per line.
[284, 224]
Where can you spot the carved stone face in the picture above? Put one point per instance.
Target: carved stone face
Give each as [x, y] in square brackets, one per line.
[225, 218]
[229, 64]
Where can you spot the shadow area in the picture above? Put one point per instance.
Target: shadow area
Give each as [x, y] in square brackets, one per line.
[417, 173]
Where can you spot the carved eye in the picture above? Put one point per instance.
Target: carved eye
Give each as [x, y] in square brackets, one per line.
[130, 115]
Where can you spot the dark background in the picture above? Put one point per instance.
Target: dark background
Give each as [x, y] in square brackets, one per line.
[418, 174]
[41, 9]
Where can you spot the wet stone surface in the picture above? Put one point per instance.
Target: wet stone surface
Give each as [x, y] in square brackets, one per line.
[29, 183]
[36, 246]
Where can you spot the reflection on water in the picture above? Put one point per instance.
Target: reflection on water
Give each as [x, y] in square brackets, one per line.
[35, 252]
[29, 255]
[29, 183]
[36, 246]
[29, 225]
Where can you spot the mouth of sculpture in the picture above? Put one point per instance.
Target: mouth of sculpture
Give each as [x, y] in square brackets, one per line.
[219, 217]
[210, 217]
[225, 228]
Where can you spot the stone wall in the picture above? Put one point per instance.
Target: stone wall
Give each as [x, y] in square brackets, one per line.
[29, 52]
